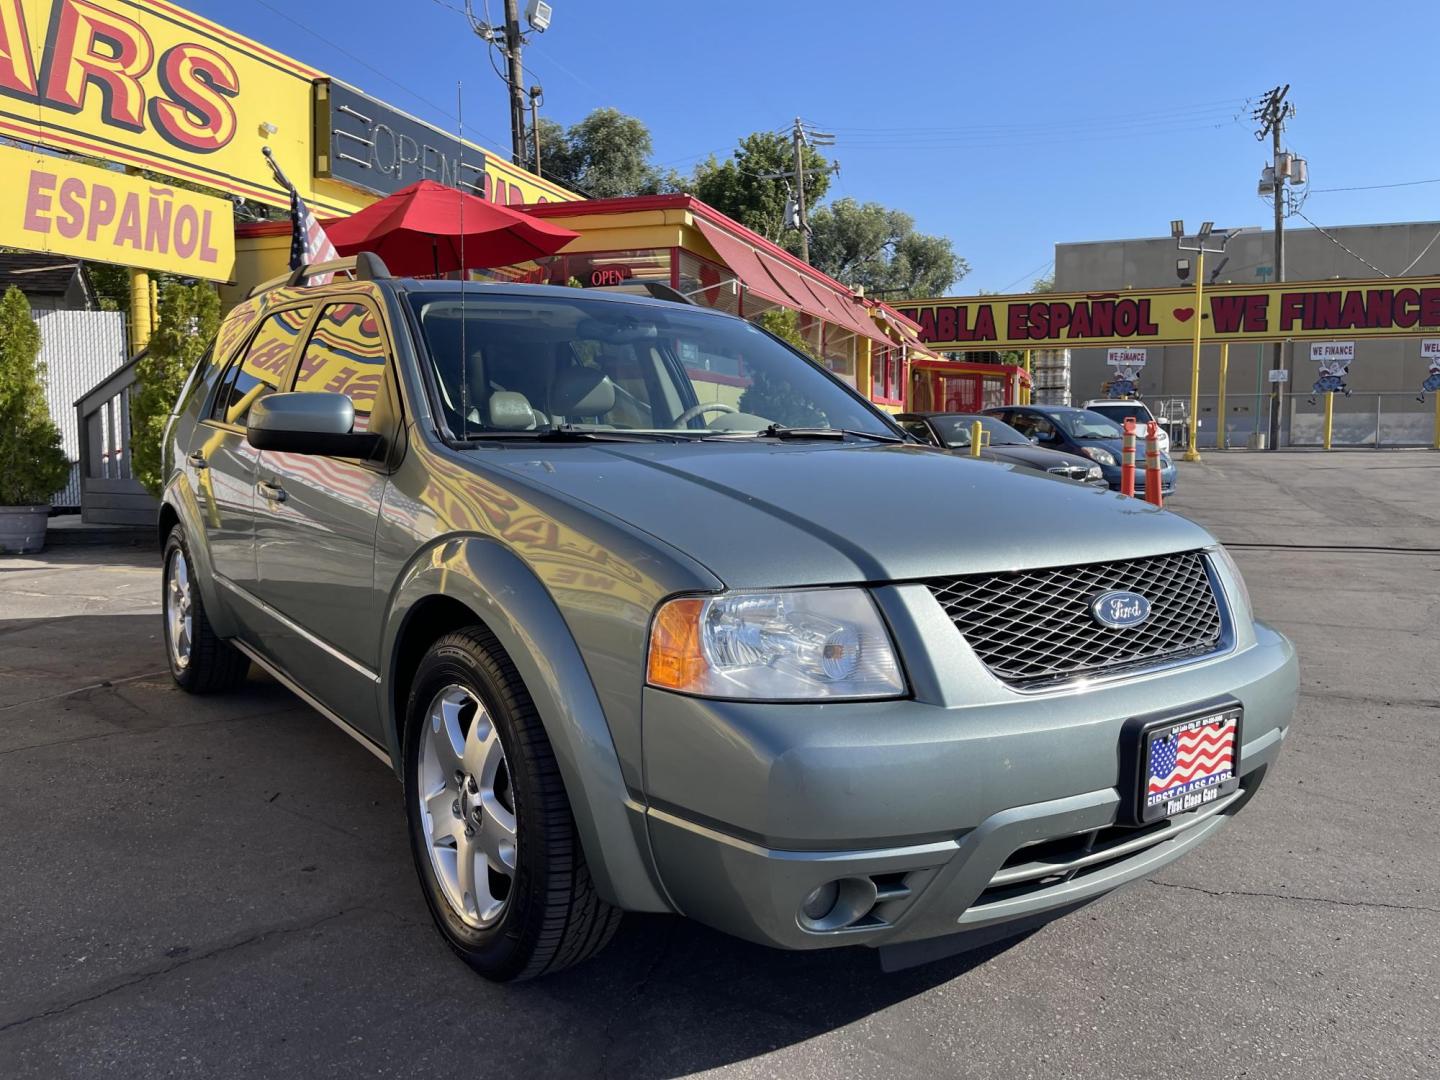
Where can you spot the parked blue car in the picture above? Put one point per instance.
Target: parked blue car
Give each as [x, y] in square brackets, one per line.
[1083, 431]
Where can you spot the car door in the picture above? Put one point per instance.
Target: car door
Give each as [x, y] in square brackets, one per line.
[222, 465]
[316, 517]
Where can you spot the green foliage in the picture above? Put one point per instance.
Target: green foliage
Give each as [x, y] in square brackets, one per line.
[773, 397]
[1044, 284]
[734, 187]
[605, 156]
[189, 318]
[32, 465]
[868, 245]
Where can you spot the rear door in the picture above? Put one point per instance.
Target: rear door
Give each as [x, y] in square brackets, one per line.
[316, 518]
[222, 464]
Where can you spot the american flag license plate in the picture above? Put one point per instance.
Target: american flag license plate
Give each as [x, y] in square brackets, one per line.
[1189, 763]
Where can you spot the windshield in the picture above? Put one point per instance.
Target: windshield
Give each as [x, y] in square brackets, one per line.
[1119, 410]
[511, 364]
[1087, 424]
[955, 431]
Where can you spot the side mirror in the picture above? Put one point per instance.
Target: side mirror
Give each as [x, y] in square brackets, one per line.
[309, 423]
[1035, 439]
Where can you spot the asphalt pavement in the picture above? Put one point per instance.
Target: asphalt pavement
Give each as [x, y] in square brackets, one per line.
[221, 886]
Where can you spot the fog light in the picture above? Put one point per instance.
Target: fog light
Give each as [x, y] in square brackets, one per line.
[818, 904]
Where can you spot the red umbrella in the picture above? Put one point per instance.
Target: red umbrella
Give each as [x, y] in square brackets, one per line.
[423, 228]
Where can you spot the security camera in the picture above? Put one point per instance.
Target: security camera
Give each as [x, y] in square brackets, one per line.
[537, 14]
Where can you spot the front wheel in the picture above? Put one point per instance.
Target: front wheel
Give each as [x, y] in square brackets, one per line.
[201, 662]
[491, 830]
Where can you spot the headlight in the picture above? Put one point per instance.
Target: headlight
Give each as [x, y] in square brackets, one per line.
[1240, 600]
[1100, 454]
[801, 645]
[1094, 473]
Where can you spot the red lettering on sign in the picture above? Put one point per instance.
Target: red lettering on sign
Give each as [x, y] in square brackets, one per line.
[945, 324]
[71, 220]
[1407, 308]
[1430, 307]
[37, 201]
[17, 70]
[89, 45]
[985, 324]
[198, 83]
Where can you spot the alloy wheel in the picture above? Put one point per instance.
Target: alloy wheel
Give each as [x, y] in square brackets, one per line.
[468, 806]
[179, 599]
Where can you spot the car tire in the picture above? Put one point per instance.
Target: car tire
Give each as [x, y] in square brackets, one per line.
[491, 829]
[201, 662]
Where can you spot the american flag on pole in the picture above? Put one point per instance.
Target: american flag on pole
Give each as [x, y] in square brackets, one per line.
[1192, 757]
[309, 243]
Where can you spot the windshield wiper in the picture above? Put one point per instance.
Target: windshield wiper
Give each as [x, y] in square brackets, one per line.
[780, 431]
[571, 433]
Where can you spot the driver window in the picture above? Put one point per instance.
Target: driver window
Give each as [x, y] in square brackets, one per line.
[1043, 430]
[345, 355]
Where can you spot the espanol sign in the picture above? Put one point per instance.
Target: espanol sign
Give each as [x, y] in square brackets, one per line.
[58, 205]
[1139, 317]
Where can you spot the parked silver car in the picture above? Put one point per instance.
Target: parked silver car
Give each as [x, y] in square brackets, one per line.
[651, 613]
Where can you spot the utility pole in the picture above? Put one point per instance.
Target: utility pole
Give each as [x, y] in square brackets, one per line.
[513, 42]
[1272, 115]
[799, 137]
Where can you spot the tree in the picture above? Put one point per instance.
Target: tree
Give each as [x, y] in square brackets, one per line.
[189, 318]
[1044, 284]
[32, 464]
[868, 245]
[605, 156]
[736, 186]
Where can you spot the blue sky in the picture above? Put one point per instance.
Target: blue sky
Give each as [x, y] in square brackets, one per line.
[1006, 127]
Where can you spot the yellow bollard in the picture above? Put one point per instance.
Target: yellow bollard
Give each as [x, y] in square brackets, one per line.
[977, 430]
[1329, 418]
[1437, 421]
[1025, 391]
[1192, 452]
[1220, 405]
[141, 310]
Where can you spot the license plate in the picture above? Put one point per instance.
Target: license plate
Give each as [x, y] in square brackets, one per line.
[1186, 764]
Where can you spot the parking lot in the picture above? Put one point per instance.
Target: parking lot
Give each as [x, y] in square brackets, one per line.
[221, 886]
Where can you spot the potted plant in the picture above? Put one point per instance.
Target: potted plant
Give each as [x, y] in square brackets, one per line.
[32, 465]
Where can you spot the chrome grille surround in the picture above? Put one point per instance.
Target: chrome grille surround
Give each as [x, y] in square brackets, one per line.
[1070, 472]
[1034, 628]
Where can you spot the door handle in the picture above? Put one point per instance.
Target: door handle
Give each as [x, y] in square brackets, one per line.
[271, 492]
[197, 460]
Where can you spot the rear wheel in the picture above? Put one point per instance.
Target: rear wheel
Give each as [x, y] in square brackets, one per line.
[200, 661]
[490, 826]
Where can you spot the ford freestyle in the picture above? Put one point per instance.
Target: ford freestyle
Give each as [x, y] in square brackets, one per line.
[630, 596]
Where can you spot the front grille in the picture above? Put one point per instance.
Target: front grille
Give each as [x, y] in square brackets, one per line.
[1070, 472]
[1035, 626]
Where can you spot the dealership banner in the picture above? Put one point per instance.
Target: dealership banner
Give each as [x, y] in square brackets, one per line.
[54, 204]
[1140, 317]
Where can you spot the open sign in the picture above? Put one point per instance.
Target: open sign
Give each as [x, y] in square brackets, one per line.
[610, 275]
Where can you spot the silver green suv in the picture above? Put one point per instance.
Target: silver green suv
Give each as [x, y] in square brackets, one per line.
[651, 613]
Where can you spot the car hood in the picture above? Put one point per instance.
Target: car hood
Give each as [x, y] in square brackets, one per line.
[1036, 457]
[809, 513]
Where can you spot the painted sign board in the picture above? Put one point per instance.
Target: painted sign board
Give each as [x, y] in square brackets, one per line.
[1279, 375]
[1141, 317]
[1321, 351]
[1131, 358]
[370, 145]
[145, 83]
[58, 205]
[1430, 349]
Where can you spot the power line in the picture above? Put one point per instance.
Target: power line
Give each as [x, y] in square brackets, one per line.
[1031, 274]
[1377, 187]
[1331, 237]
[440, 109]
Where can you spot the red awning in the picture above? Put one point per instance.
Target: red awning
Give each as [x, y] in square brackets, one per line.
[772, 279]
[744, 263]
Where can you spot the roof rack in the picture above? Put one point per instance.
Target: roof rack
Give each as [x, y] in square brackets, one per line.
[366, 266]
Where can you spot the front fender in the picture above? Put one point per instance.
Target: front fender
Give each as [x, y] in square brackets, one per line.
[510, 600]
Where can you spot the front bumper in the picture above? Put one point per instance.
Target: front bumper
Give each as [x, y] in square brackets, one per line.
[970, 807]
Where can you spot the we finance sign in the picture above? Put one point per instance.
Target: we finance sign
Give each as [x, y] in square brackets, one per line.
[1302, 310]
[145, 83]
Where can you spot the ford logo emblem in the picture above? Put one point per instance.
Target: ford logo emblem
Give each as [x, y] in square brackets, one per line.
[1120, 608]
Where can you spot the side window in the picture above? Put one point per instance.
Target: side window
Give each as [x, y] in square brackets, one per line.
[345, 355]
[261, 368]
[1043, 430]
[919, 429]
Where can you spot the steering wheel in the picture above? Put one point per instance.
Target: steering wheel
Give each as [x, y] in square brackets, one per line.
[709, 406]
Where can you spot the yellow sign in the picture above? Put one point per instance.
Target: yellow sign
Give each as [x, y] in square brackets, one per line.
[57, 205]
[148, 84]
[1139, 317]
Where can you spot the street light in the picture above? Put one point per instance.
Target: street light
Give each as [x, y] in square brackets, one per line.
[1199, 246]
